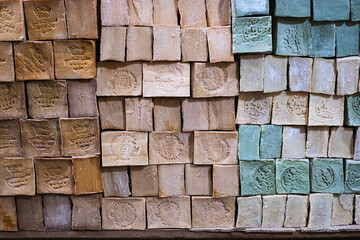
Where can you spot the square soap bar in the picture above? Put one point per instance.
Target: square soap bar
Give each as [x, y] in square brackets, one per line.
[293, 8]
[326, 110]
[292, 37]
[292, 176]
[322, 40]
[327, 175]
[252, 34]
[249, 7]
[352, 175]
[257, 177]
[331, 10]
[270, 141]
[347, 39]
[352, 112]
[355, 10]
[249, 140]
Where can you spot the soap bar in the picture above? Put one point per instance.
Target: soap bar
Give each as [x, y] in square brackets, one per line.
[30, 213]
[296, 211]
[357, 144]
[8, 214]
[323, 76]
[138, 112]
[139, 43]
[198, 180]
[114, 13]
[10, 139]
[141, 12]
[273, 211]
[57, 212]
[167, 114]
[352, 113]
[220, 44]
[13, 100]
[257, 177]
[292, 37]
[144, 181]
[352, 174]
[171, 180]
[327, 175]
[112, 112]
[293, 142]
[249, 142]
[317, 142]
[355, 10]
[341, 143]
[293, 8]
[249, 213]
[192, 13]
[300, 71]
[331, 10]
[218, 12]
[193, 45]
[7, 73]
[270, 141]
[342, 210]
[347, 75]
[252, 34]
[251, 73]
[292, 176]
[13, 29]
[112, 44]
[226, 181]
[165, 12]
[222, 114]
[322, 40]
[326, 110]
[254, 108]
[116, 182]
[357, 209]
[275, 73]
[347, 39]
[86, 212]
[249, 7]
[320, 211]
[195, 114]
[164, 39]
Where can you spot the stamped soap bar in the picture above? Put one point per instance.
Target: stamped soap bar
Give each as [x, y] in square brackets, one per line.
[352, 174]
[327, 175]
[12, 104]
[12, 21]
[292, 176]
[7, 73]
[10, 139]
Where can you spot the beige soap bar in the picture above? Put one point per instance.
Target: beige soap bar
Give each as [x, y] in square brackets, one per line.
[165, 12]
[81, 19]
[10, 139]
[45, 20]
[320, 210]
[254, 108]
[249, 213]
[167, 114]
[290, 108]
[210, 212]
[75, 59]
[300, 71]
[293, 142]
[8, 214]
[323, 76]
[12, 104]
[141, 12]
[215, 147]
[195, 114]
[220, 44]
[192, 13]
[87, 175]
[13, 29]
[172, 212]
[251, 73]
[144, 181]
[347, 75]
[198, 180]
[226, 181]
[114, 12]
[218, 12]
[275, 73]
[326, 110]
[357, 144]
[194, 45]
[119, 79]
[112, 112]
[341, 143]
[357, 210]
[221, 113]
[166, 43]
[166, 79]
[86, 212]
[138, 112]
[123, 213]
[139, 43]
[34, 60]
[296, 211]
[171, 180]
[342, 210]
[214, 79]
[7, 73]
[273, 211]
[120, 148]
[112, 44]
[317, 142]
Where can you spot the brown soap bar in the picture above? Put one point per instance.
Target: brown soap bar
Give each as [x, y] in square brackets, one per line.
[75, 59]
[166, 38]
[141, 12]
[192, 13]
[10, 139]
[12, 100]
[8, 214]
[165, 12]
[30, 213]
[17, 176]
[47, 99]
[34, 60]
[7, 73]
[82, 98]
[139, 114]
[45, 19]
[54, 175]
[114, 13]
[144, 181]
[86, 212]
[57, 212]
[194, 45]
[116, 181]
[40, 138]
[139, 43]
[81, 18]
[226, 181]
[198, 180]
[171, 180]
[221, 113]
[218, 12]
[195, 114]
[112, 43]
[13, 27]
[112, 112]
[80, 136]
[220, 44]
[167, 114]
[87, 175]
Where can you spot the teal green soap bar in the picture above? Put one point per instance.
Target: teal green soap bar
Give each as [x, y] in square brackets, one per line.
[249, 141]
[352, 111]
[331, 10]
[257, 177]
[322, 40]
[270, 141]
[292, 176]
[293, 8]
[292, 37]
[252, 34]
[352, 176]
[347, 39]
[242, 8]
[355, 10]
[327, 175]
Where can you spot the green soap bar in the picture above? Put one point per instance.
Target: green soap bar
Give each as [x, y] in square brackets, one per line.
[292, 176]
[249, 141]
[355, 10]
[293, 8]
[292, 37]
[242, 8]
[322, 40]
[327, 175]
[257, 177]
[271, 141]
[347, 39]
[252, 34]
[352, 176]
[352, 111]
[331, 10]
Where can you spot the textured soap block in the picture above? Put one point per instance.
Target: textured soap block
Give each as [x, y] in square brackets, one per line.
[220, 44]
[347, 75]
[249, 212]
[139, 43]
[12, 104]
[352, 175]
[221, 114]
[251, 73]
[292, 176]
[140, 12]
[326, 110]
[112, 112]
[218, 12]
[257, 177]
[10, 139]
[13, 27]
[193, 45]
[296, 211]
[87, 175]
[293, 8]
[30, 213]
[273, 211]
[144, 181]
[300, 71]
[116, 182]
[290, 108]
[270, 141]
[355, 10]
[171, 180]
[249, 7]
[322, 40]
[357, 209]
[86, 212]
[275, 73]
[352, 113]
[342, 210]
[249, 142]
[192, 14]
[341, 143]
[226, 181]
[357, 144]
[293, 142]
[165, 12]
[320, 210]
[252, 34]
[112, 43]
[323, 76]
[347, 39]
[7, 73]
[8, 214]
[164, 39]
[292, 37]
[195, 114]
[317, 142]
[254, 108]
[138, 112]
[327, 175]
[167, 114]
[114, 13]
[198, 180]
[331, 10]
[57, 212]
